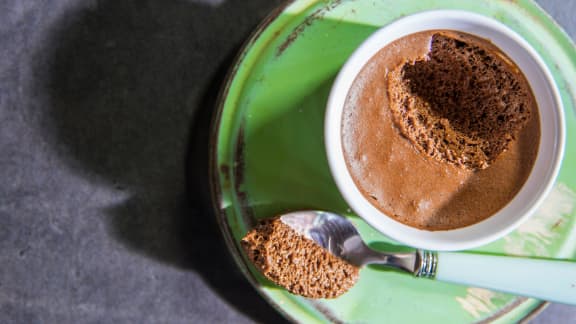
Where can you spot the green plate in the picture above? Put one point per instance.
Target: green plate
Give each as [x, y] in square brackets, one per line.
[268, 157]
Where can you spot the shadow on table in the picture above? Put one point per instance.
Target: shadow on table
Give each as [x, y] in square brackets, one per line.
[132, 87]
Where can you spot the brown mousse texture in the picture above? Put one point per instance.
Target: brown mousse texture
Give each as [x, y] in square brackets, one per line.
[460, 104]
[296, 263]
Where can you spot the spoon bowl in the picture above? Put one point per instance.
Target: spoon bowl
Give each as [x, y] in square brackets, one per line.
[337, 235]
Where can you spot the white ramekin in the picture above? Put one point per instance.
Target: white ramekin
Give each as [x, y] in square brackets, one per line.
[550, 152]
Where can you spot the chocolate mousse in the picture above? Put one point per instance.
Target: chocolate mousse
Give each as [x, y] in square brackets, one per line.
[297, 263]
[440, 130]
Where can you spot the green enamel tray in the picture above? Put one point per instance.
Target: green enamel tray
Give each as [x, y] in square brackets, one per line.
[268, 157]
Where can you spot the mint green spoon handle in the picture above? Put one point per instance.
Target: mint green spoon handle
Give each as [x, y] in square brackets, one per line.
[551, 280]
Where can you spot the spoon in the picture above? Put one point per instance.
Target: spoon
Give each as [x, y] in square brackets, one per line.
[552, 280]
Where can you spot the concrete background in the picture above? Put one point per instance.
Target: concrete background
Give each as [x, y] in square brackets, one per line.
[104, 110]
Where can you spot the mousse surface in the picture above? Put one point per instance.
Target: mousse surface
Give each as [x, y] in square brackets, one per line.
[437, 155]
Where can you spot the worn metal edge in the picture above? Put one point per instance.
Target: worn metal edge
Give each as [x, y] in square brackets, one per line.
[213, 168]
[534, 313]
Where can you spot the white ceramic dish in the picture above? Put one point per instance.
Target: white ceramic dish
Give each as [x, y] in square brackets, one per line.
[550, 150]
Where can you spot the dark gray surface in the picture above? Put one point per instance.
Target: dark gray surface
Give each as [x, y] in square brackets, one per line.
[104, 110]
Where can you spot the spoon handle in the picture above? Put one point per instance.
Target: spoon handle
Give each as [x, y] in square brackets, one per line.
[551, 280]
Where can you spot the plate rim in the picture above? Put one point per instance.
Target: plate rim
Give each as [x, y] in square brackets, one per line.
[213, 173]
